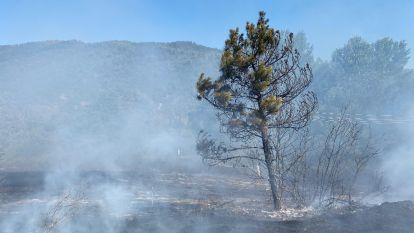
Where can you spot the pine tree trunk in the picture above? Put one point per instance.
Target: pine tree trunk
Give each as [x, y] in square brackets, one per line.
[268, 160]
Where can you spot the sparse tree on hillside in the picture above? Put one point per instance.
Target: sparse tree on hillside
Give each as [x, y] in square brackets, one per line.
[370, 77]
[262, 89]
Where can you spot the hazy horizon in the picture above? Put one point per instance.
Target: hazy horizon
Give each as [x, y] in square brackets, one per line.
[410, 64]
[328, 25]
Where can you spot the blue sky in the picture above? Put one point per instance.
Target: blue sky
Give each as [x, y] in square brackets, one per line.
[328, 24]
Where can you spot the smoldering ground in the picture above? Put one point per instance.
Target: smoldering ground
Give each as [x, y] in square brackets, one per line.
[399, 161]
[57, 131]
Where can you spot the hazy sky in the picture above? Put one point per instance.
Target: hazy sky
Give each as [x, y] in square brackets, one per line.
[327, 23]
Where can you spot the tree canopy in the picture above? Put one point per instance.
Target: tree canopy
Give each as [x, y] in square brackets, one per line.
[367, 76]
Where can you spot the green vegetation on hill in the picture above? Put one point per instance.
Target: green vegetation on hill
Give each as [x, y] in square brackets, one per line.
[114, 92]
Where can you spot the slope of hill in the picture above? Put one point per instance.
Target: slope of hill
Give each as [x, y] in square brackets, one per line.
[67, 97]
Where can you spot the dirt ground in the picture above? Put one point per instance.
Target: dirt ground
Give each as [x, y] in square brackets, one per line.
[180, 202]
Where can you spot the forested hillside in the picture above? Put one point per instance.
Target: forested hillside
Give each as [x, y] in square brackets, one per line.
[63, 97]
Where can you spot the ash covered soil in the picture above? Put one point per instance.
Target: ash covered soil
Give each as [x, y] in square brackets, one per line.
[176, 202]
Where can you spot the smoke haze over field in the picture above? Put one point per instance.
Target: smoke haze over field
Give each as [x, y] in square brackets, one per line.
[70, 107]
[87, 103]
[399, 162]
[98, 134]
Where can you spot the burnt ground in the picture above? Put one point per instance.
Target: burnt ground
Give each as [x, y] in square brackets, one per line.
[178, 202]
[388, 217]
